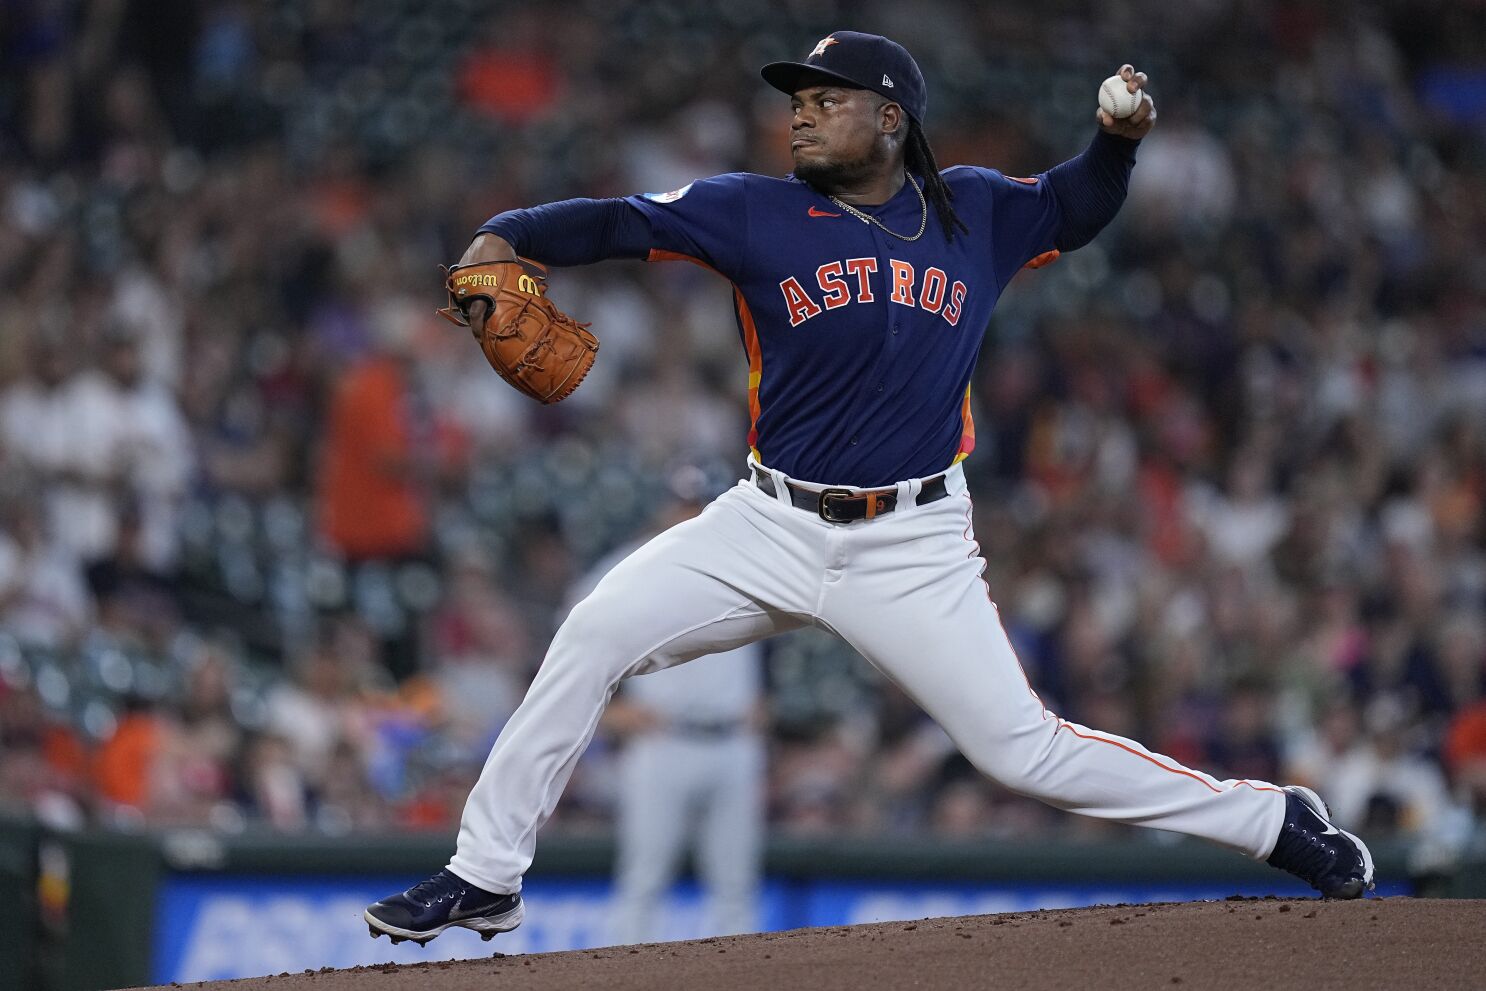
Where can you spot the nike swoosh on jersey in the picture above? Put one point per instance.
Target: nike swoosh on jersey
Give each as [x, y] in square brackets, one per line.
[821, 213]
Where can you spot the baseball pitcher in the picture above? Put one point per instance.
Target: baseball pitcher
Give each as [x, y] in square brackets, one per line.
[862, 283]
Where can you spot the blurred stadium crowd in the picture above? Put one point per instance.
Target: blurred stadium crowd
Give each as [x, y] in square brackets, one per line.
[276, 547]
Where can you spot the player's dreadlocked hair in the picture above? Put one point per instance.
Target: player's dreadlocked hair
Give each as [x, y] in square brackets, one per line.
[919, 158]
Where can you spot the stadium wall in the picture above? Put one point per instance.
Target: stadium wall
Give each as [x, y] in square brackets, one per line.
[90, 910]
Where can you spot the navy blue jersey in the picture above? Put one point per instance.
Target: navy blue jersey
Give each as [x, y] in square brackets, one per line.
[860, 344]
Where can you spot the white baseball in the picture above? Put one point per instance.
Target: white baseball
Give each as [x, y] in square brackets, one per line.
[1116, 99]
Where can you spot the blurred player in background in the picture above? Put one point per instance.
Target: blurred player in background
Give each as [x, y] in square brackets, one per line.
[691, 774]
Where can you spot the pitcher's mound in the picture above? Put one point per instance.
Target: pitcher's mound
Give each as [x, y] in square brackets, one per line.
[1263, 944]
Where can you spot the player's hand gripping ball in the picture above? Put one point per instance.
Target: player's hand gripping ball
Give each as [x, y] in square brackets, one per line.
[1125, 108]
[536, 347]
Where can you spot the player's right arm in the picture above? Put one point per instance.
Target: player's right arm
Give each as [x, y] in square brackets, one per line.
[705, 221]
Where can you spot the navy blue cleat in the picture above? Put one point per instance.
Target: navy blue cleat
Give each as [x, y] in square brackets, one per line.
[442, 902]
[1311, 847]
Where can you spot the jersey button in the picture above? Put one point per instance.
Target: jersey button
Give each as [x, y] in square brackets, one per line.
[879, 386]
[853, 440]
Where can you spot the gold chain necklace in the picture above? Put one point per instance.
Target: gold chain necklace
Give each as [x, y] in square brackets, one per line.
[867, 218]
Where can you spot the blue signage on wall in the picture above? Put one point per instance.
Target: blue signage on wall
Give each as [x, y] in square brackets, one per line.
[212, 927]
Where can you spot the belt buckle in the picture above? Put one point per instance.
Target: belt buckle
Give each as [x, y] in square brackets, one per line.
[826, 495]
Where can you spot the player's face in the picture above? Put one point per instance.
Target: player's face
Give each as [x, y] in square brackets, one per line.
[836, 133]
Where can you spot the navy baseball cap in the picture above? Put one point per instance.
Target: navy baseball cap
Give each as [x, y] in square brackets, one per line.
[865, 61]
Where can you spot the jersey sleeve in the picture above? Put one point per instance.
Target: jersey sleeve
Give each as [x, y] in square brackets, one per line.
[705, 221]
[1062, 209]
[1025, 220]
[573, 232]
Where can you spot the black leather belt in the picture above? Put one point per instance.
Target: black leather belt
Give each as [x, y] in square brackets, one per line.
[847, 505]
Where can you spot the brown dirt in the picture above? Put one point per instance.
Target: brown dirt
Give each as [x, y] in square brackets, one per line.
[1263, 944]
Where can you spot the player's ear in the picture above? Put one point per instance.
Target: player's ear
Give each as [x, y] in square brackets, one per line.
[890, 118]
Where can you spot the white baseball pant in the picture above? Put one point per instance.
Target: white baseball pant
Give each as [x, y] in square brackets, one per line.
[903, 589]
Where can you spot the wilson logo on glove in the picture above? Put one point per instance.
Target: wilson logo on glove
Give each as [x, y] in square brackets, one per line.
[530, 343]
[465, 282]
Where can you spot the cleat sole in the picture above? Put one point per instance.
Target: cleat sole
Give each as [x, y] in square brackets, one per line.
[487, 927]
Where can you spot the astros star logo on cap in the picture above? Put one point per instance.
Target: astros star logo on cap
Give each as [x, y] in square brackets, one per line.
[822, 45]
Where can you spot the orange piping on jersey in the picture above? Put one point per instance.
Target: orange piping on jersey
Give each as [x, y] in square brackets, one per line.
[967, 435]
[755, 366]
[750, 342]
[657, 255]
[1046, 258]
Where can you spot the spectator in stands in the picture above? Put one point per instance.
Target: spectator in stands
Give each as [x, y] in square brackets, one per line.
[127, 767]
[43, 600]
[375, 472]
[482, 653]
[149, 436]
[812, 780]
[43, 763]
[1465, 755]
[546, 563]
[378, 465]
[1243, 742]
[1464, 749]
[273, 788]
[1244, 524]
[1312, 757]
[346, 801]
[963, 808]
[59, 429]
[1381, 782]
[207, 739]
[33, 410]
[1460, 650]
[136, 600]
[321, 711]
[513, 74]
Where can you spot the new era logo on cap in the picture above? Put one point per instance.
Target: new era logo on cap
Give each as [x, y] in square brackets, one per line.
[886, 81]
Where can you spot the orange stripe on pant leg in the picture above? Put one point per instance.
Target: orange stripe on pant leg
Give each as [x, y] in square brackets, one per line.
[1065, 724]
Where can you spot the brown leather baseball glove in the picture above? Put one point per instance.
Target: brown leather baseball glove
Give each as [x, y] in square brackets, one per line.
[532, 344]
